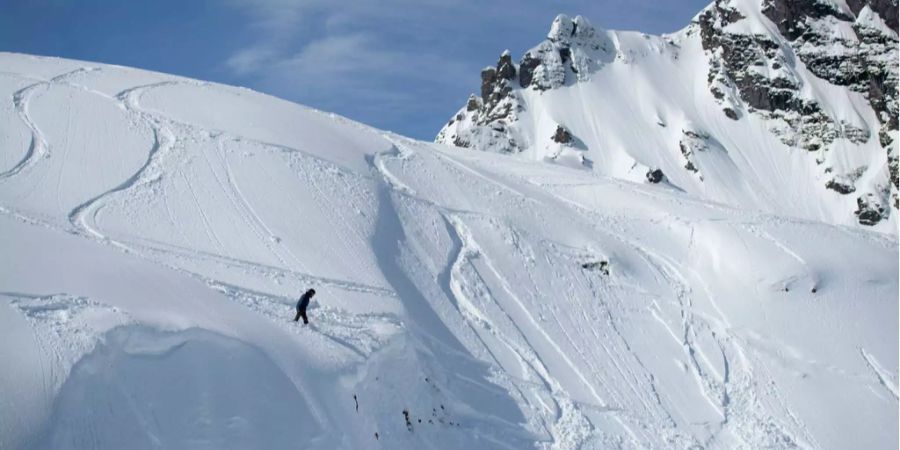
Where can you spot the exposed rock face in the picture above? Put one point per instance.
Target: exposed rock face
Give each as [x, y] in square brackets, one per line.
[690, 144]
[886, 9]
[869, 210]
[655, 176]
[865, 62]
[760, 71]
[840, 187]
[562, 135]
[485, 120]
[572, 51]
[600, 266]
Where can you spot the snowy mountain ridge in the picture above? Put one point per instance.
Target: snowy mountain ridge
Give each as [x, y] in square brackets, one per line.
[157, 232]
[753, 102]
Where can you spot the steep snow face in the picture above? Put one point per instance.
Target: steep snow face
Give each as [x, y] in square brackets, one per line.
[157, 231]
[788, 107]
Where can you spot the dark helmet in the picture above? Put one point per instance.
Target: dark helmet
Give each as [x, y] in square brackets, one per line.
[311, 292]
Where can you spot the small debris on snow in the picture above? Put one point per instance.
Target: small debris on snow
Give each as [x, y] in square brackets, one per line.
[602, 266]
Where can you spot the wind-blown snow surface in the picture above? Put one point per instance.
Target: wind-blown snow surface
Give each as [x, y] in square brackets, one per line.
[157, 231]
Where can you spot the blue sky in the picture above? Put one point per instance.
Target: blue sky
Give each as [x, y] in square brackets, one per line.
[401, 65]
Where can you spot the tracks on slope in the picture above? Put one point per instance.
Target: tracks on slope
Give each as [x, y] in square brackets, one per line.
[38, 147]
[735, 394]
[82, 218]
[569, 427]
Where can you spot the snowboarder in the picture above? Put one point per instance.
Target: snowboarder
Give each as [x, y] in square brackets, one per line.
[302, 304]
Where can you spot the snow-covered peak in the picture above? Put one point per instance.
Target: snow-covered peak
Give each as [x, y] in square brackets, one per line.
[807, 88]
[561, 29]
[578, 31]
[868, 18]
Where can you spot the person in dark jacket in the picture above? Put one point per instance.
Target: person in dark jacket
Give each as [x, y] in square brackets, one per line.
[302, 304]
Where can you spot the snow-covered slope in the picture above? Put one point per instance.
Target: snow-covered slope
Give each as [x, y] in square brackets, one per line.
[783, 106]
[156, 232]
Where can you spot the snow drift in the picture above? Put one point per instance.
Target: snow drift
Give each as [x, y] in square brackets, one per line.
[157, 231]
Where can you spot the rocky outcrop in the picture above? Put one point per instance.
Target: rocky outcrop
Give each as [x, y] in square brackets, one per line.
[691, 143]
[840, 186]
[601, 266]
[759, 71]
[485, 120]
[562, 135]
[754, 71]
[845, 183]
[655, 176]
[869, 210]
[866, 62]
[886, 9]
[572, 51]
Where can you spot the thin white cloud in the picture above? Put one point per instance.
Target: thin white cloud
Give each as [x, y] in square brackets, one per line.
[250, 60]
[358, 63]
[340, 58]
[277, 18]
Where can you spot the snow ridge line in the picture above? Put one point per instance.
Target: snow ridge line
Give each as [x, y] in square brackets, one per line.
[131, 96]
[446, 278]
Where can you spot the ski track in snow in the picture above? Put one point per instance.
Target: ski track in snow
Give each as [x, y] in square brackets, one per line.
[568, 417]
[732, 393]
[83, 217]
[485, 299]
[884, 377]
[38, 148]
[716, 392]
